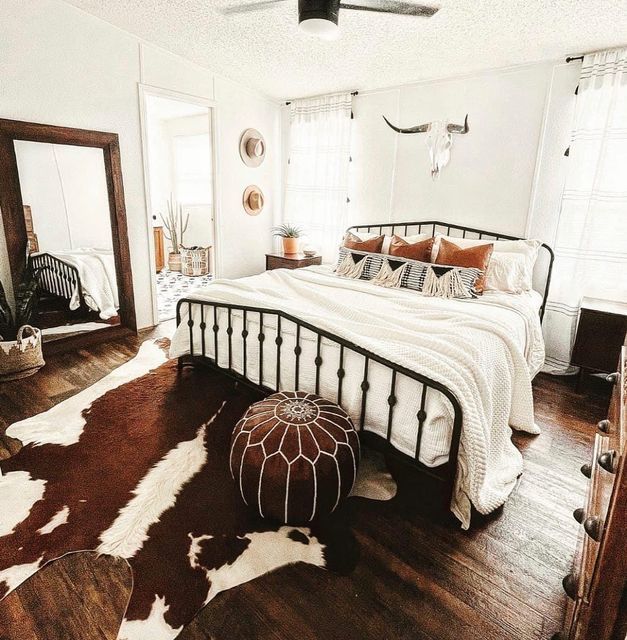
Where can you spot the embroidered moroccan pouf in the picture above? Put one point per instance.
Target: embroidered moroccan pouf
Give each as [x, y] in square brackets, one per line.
[294, 456]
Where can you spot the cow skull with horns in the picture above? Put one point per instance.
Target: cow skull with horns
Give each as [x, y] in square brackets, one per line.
[439, 140]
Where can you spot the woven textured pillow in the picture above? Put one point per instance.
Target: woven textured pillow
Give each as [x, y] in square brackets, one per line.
[394, 272]
[294, 456]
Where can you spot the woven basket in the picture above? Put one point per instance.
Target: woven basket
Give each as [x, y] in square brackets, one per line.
[195, 261]
[22, 357]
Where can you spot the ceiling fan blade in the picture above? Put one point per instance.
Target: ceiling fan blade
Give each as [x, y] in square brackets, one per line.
[251, 6]
[393, 6]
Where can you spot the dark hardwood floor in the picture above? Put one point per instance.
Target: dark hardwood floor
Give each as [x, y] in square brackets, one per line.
[419, 577]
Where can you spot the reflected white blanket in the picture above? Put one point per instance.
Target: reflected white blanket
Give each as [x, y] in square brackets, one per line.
[96, 268]
[485, 351]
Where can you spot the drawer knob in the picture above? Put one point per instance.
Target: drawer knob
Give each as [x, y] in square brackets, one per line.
[570, 584]
[607, 461]
[612, 377]
[586, 469]
[603, 426]
[593, 526]
[579, 515]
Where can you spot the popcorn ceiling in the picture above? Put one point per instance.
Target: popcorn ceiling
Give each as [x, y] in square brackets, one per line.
[265, 49]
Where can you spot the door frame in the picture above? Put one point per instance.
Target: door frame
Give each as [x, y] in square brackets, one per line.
[146, 91]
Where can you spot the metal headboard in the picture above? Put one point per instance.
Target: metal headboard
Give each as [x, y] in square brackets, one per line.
[433, 227]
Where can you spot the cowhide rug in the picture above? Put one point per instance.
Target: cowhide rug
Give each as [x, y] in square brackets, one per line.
[136, 466]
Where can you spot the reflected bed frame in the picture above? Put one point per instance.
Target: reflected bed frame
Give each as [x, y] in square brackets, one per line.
[211, 329]
[57, 277]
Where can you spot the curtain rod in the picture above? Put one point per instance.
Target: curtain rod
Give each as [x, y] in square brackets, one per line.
[353, 93]
[580, 57]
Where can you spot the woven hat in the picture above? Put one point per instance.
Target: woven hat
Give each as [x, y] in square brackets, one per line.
[252, 148]
[253, 200]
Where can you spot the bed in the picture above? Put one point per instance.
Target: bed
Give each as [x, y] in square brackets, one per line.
[84, 277]
[436, 383]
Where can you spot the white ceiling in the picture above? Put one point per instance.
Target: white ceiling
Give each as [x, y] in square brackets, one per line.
[265, 49]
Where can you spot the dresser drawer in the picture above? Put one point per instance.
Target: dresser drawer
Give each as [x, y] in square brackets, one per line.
[594, 514]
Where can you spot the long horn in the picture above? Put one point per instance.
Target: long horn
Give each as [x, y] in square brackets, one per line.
[421, 128]
[459, 128]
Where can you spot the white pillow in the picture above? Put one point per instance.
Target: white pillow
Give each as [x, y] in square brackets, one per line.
[527, 248]
[364, 235]
[507, 272]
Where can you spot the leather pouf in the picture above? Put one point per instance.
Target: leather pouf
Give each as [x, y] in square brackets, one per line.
[294, 456]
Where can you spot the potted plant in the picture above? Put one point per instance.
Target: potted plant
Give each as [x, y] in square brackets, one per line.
[290, 234]
[173, 223]
[20, 343]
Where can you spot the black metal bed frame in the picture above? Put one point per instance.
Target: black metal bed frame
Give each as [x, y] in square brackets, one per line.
[207, 316]
[57, 277]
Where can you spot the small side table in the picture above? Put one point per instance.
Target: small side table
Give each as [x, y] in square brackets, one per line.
[600, 336]
[290, 261]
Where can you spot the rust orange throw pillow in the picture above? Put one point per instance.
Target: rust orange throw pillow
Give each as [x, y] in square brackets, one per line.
[372, 245]
[414, 251]
[454, 256]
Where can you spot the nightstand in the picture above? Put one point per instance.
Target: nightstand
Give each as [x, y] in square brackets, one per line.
[290, 261]
[600, 335]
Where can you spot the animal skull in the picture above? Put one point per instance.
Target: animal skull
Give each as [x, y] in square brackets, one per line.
[439, 140]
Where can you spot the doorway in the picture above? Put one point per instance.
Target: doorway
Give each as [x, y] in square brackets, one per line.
[179, 157]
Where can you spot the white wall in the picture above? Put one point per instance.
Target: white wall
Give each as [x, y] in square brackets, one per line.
[61, 66]
[66, 188]
[489, 182]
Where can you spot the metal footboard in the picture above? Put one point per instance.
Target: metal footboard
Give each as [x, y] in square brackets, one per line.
[241, 341]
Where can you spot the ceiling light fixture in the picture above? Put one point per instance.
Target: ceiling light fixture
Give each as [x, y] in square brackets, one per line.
[319, 18]
[320, 27]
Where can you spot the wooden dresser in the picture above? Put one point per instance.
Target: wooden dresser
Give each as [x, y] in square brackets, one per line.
[597, 585]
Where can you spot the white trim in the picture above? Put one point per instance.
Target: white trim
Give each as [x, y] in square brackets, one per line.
[539, 153]
[540, 157]
[158, 92]
[395, 163]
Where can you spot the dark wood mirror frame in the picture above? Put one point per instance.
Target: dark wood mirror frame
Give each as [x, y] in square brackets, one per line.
[15, 226]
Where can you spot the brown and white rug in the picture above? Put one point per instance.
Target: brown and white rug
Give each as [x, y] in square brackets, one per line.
[136, 466]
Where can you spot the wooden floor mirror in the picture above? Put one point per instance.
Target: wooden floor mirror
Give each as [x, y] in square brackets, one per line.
[64, 221]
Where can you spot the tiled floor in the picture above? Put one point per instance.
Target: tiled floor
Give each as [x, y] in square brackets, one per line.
[173, 285]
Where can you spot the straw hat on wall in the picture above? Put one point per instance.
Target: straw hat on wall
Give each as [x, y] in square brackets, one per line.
[252, 148]
[253, 200]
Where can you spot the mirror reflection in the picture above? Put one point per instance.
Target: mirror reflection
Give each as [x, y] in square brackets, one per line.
[68, 225]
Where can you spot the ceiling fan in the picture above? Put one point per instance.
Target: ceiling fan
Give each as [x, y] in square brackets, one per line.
[320, 17]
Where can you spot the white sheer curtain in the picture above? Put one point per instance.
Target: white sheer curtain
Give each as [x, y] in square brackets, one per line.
[316, 188]
[591, 240]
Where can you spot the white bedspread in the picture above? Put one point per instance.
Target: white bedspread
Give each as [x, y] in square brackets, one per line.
[485, 351]
[96, 269]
